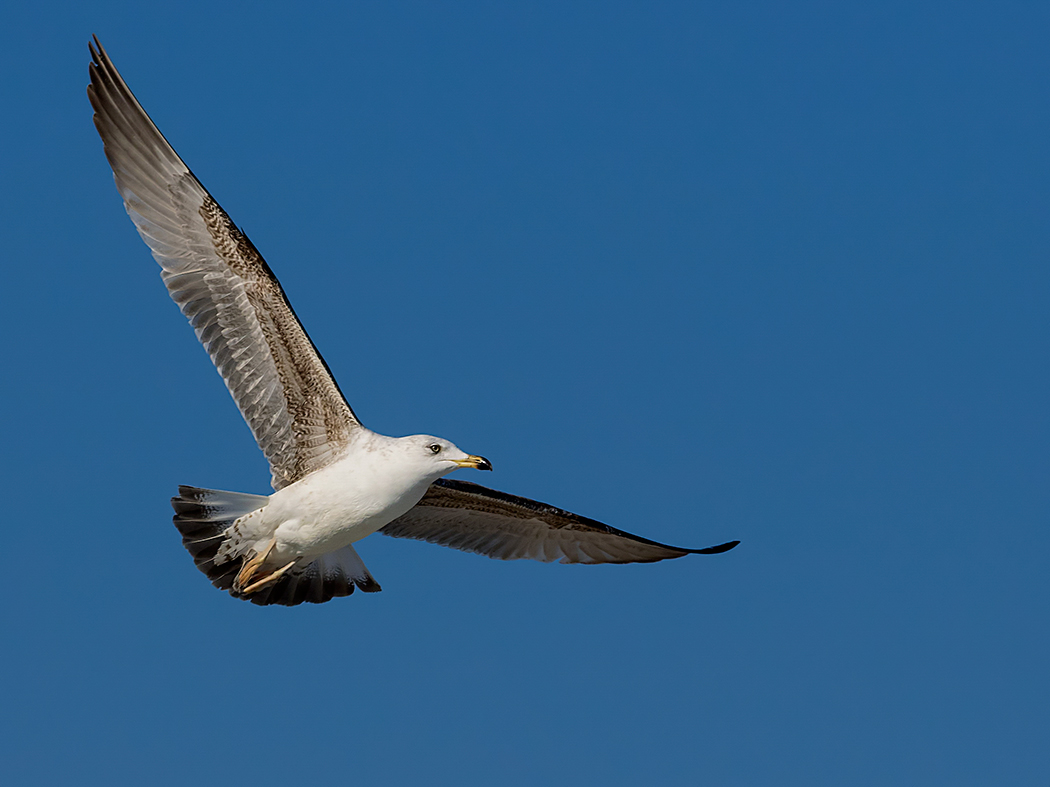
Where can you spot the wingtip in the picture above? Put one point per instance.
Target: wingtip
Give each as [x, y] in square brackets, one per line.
[718, 549]
[98, 52]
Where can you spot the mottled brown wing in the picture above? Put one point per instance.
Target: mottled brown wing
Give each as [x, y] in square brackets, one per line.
[279, 381]
[473, 518]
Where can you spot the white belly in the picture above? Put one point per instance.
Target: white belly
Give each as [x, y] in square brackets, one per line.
[337, 506]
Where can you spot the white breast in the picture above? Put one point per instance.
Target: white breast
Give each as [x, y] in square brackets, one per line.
[346, 501]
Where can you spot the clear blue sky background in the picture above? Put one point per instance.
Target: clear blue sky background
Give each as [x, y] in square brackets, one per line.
[767, 271]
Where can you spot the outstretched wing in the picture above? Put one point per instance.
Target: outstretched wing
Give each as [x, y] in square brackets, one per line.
[280, 383]
[473, 518]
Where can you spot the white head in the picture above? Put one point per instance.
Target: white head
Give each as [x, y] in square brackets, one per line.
[437, 457]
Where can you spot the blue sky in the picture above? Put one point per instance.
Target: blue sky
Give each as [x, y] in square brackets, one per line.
[704, 271]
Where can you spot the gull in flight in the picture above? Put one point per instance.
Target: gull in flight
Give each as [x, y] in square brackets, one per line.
[335, 481]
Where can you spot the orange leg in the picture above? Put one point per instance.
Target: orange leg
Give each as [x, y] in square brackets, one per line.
[244, 576]
[267, 579]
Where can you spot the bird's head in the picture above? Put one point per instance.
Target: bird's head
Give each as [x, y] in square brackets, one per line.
[442, 456]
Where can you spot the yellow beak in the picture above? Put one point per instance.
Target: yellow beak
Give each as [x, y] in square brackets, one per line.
[477, 462]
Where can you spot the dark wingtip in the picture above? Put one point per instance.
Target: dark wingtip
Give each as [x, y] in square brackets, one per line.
[716, 550]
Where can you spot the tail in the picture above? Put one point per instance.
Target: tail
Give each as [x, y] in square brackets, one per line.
[203, 517]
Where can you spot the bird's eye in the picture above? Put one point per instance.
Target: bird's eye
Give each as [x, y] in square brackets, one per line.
[435, 448]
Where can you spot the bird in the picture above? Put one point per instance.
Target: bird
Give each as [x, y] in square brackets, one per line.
[335, 481]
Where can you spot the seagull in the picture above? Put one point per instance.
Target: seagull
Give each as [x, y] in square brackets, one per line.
[335, 481]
